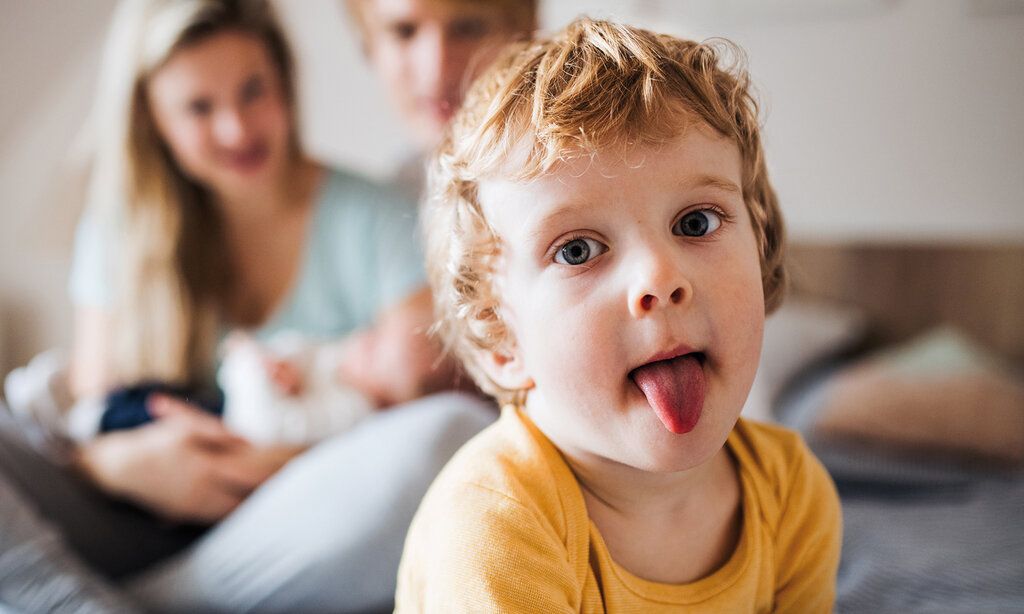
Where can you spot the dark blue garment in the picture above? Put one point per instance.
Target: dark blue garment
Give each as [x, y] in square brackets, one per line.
[126, 407]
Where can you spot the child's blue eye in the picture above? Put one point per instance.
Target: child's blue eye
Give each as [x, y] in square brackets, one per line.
[697, 223]
[578, 251]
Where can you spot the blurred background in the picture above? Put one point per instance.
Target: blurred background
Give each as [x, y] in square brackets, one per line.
[894, 129]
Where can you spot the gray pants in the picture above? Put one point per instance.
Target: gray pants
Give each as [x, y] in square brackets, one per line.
[324, 534]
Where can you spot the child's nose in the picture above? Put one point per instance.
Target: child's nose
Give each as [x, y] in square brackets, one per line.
[662, 284]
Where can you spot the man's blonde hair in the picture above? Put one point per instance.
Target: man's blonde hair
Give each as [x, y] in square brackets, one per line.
[521, 14]
[593, 86]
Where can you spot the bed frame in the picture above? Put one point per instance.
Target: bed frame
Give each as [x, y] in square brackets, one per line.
[907, 288]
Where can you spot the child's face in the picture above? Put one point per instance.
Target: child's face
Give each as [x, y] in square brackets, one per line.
[608, 267]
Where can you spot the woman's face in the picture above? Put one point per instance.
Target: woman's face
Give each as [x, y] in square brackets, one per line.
[220, 107]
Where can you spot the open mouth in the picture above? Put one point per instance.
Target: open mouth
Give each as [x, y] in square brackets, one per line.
[674, 387]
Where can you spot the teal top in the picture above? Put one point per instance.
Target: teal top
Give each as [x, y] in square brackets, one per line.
[362, 255]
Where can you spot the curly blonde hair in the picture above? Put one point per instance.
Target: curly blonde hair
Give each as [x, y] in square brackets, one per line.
[593, 86]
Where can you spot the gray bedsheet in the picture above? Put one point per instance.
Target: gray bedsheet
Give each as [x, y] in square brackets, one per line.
[922, 534]
[931, 546]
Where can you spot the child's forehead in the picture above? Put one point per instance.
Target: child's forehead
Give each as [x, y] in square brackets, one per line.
[699, 165]
[697, 156]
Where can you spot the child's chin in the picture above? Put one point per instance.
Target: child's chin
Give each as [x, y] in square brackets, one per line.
[671, 453]
[659, 459]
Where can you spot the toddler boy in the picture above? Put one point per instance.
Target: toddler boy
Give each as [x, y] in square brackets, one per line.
[604, 243]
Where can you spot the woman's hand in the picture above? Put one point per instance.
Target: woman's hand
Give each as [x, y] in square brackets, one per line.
[184, 466]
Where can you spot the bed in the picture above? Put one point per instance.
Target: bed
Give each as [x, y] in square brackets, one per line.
[902, 368]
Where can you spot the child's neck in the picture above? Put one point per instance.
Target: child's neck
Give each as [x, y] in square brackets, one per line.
[633, 492]
[648, 519]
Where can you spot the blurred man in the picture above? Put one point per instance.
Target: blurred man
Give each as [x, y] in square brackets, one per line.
[427, 52]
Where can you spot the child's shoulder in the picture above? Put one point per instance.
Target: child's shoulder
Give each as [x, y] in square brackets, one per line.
[770, 447]
[511, 459]
[506, 483]
[503, 523]
[800, 509]
[779, 465]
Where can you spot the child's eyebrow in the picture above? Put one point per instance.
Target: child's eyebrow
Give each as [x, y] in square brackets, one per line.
[711, 181]
[570, 209]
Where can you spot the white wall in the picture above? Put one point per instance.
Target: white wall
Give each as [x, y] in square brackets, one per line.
[886, 120]
[48, 52]
[904, 120]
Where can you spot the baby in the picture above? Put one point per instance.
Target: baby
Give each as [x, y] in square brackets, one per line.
[287, 389]
[604, 244]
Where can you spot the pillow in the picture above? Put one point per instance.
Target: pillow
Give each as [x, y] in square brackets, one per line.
[800, 334]
[940, 393]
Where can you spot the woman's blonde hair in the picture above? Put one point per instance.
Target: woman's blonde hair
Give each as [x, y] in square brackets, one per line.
[593, 86]
[172, 269]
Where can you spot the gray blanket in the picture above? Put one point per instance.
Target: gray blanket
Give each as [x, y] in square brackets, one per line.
[953, 545]
[921, 534]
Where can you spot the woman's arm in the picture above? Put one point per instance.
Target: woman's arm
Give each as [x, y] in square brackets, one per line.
[184, 466]
[90, 350]
[397, 360]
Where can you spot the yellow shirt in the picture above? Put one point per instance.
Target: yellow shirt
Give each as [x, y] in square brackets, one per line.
[504, 528]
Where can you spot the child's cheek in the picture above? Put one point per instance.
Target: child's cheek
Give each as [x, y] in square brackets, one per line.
[741, 323]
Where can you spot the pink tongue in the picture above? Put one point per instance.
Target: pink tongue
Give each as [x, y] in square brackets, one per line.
[675, 389]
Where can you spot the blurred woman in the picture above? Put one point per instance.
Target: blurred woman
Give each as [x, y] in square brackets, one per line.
[203, 215]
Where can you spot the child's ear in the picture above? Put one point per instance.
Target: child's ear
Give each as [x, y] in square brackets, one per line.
[506, 368]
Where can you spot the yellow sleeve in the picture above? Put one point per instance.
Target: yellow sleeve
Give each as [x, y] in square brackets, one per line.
[808, 539]
[478, 550]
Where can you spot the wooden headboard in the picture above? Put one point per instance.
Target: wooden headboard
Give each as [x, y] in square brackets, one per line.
[906, 289]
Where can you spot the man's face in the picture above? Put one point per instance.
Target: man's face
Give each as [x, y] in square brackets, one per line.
[427, 52]
[631, 285]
